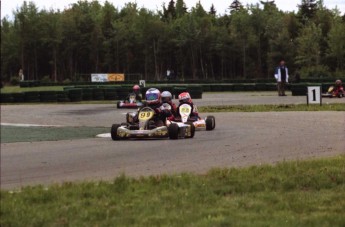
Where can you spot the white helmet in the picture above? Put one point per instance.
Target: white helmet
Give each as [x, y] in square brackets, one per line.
[153, 96]
[166, 96]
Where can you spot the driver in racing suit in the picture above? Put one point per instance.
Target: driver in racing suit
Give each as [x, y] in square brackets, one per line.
[338, 89]
[153, 100]
[184, 98]
[136, 92]
[166, 97]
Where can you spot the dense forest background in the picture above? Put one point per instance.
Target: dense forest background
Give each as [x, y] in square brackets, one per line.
[197, 43]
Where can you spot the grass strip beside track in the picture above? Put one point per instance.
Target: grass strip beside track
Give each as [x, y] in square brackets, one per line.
[15, 89]
[296, 193]
[11, 134]
[272, 108]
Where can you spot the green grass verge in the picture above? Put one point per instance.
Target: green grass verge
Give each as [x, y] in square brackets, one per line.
[17, 89]
[11, 134]
[273, 108]
[298, 193]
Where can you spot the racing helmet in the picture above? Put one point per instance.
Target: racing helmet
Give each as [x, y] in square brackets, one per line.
[338, 82]
[153, 96]
[184, 97]
[166, 96]
[136, 88]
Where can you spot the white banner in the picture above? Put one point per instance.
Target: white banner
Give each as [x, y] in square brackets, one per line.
[99, 77]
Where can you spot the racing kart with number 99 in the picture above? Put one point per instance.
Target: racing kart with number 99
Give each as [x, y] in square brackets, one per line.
[146, 128]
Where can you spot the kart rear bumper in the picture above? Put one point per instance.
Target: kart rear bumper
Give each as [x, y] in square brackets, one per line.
[159, 132]
[129, 105]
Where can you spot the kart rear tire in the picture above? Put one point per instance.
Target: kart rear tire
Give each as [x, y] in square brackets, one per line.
[173, 131]
[192, 130]
[118, 105]
[113, 132]
[210, 123]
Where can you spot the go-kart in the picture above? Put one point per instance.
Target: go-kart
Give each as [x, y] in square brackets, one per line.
[131, 103]
[146, 128]
[208, 123]
[332, 92]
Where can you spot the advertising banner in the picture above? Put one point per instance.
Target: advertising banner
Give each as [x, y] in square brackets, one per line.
[101, 77]
[116, 77]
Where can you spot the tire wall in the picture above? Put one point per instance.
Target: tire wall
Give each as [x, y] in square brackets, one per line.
[119, 92]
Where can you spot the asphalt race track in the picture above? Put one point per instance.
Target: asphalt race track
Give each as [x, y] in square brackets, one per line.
[240, 139]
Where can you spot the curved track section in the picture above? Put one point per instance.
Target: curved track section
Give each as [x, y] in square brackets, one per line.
[240, 139]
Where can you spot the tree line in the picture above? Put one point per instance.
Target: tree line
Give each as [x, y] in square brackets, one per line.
[196, 43]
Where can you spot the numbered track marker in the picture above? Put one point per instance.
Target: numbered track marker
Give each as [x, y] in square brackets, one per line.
[314, 95]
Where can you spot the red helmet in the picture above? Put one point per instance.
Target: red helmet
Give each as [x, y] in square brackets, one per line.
[136, 87]
[185, 97]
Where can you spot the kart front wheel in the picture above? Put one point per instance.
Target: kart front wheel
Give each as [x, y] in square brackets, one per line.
[113, 132]
[173, 131]
[210, 123]
[192, 130]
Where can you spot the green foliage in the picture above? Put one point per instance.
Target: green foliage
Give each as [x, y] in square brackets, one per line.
[272, 108]
[12, 134]
[318, 71]
[308, 53]
[296, 193]
[14, 80]
[307, 10]
[336, 37]
[89, 37]
[235, 6]
[17, 89]
[46, 79]
[67, 81]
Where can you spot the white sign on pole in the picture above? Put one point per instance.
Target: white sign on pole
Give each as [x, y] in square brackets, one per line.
[142, 83]
[314, 95]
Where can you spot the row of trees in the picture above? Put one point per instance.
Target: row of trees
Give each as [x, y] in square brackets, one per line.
[196, 43]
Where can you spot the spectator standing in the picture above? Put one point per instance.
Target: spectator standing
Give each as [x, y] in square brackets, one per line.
[282, 76]
[21, 75]
[168, 74]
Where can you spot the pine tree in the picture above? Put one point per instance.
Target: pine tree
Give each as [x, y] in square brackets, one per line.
[170, 12]
[235, 6]
[268, 4]
[213, 11]
[181, 8]
[307, 10]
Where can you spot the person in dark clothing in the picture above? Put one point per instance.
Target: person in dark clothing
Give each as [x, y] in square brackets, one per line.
[282, 76]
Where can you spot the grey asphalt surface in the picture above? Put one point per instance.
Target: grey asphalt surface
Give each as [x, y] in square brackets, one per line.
[240, 139]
